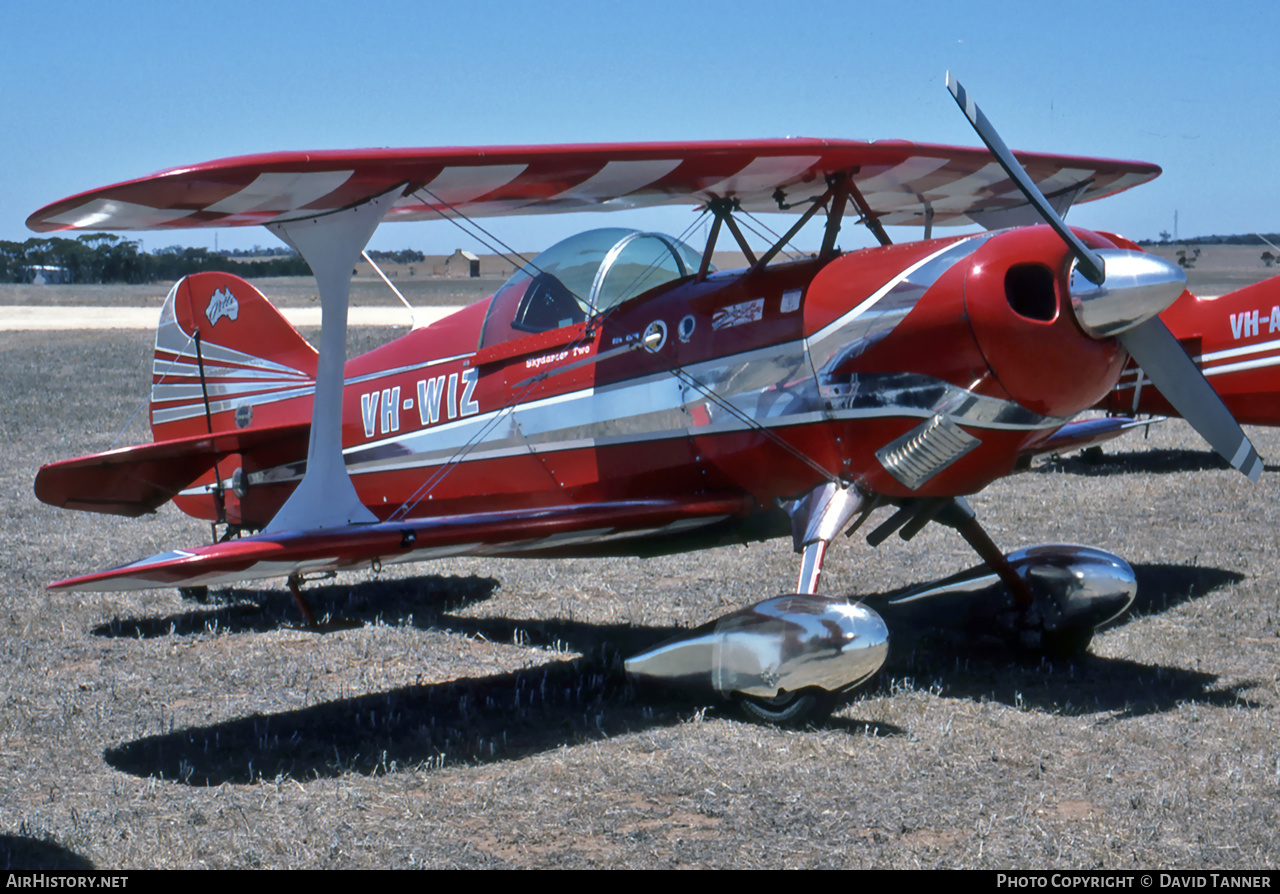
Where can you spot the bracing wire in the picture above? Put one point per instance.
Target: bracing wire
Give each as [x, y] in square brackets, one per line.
[146, 400]
[770, 234]
[506, 252]
[429, 484]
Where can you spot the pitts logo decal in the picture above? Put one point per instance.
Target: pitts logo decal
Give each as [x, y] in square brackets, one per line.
[222, 304]
[737, 314]
[432, 393]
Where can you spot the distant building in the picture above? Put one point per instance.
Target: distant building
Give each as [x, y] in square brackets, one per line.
[46, 275]
[462, 263]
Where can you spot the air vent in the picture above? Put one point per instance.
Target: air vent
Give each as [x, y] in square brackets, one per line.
[925, 451]
[1030, 292]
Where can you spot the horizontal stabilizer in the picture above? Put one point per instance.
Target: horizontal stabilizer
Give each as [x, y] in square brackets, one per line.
[133, 481]
[515, 532]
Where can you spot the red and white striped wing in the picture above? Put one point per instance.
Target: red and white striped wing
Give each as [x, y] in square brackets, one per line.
[540, 532]
[900, 181]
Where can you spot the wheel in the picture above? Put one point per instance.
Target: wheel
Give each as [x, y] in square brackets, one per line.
[1069, 643]
[789, 708]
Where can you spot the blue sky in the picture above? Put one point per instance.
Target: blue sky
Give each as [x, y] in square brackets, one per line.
[95, 93]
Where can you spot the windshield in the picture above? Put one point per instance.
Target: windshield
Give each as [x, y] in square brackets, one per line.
[582, 276]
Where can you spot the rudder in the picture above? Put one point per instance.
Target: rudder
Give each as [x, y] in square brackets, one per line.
[226, 359]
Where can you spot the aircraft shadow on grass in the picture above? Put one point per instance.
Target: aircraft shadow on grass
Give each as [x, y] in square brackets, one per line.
[1095, 462]
[418, 601]
[27, 852]
[981, 666]
[507, 716]
[467, 721]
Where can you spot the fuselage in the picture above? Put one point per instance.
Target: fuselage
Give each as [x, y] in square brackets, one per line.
[918, 370]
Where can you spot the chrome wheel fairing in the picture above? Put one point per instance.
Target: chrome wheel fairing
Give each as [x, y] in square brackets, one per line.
[789, 644]
[1076, 589]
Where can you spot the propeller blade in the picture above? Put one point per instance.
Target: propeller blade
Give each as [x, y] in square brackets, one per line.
[1089, 262]
[1154, 348]
[1125, 309]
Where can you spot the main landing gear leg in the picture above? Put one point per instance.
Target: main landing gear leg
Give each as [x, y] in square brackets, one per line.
[816, 519]
[959, 515]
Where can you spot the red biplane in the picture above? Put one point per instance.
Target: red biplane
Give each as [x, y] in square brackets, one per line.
[618, 395]
[1233, 339]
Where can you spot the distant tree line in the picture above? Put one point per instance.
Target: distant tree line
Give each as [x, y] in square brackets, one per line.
[107, 258]
[403, 256]
[1240, 239]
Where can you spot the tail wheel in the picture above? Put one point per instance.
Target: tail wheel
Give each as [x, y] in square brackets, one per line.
[194, 594]
[789, 708]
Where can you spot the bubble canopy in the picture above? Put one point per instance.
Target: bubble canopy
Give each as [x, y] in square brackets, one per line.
[583, 276]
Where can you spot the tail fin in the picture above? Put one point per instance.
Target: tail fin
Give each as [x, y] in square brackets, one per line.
[226, 359]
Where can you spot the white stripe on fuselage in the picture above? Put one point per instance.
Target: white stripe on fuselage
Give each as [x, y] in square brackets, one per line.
[1210, 368]
[650, 408]
[871, 301]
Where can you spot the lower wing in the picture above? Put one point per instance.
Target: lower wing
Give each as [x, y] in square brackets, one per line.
[538, 531]
[1085, 433]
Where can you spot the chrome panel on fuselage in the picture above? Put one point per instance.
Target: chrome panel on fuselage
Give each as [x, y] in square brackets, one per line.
[772, 387]
[914, 394]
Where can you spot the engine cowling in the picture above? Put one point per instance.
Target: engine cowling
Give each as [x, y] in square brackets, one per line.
[1018, 300]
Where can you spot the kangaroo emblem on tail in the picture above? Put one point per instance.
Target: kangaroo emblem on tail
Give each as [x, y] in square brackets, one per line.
[222, 304]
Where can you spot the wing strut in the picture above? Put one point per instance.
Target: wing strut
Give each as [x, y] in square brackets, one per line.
[840, 197]
[331, 245]
[413, 317]
[796, 227]
[722, 210]
[705, 266]
[840, 189]
[871, 220]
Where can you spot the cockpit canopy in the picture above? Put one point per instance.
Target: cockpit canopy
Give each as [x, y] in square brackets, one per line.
[583, 276]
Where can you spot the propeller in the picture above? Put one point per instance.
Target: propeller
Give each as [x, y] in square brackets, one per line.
[1121, 293]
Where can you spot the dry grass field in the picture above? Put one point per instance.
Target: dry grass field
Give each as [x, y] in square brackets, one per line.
[471, 713]
[1221, 268]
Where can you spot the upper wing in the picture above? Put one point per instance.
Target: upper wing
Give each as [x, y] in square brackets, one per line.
[536, 532]
[902, 182]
